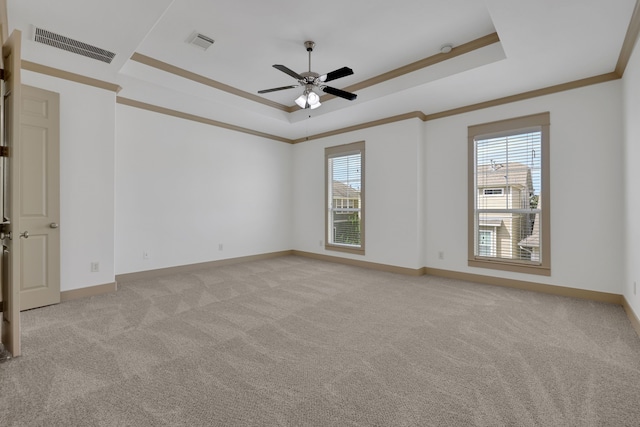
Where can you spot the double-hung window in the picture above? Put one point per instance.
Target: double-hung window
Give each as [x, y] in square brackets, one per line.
[509, 195]
[344, 185]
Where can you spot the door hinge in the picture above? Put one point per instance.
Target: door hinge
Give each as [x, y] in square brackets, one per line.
[1, 73]
[4, 151]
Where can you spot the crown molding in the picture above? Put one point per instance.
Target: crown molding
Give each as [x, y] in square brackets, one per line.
[630, 40]
[66, 75]
[381, 78]
[526, 95]
[181, 72]
[199, 119]
[476, 44]
[387, 120]
[633, 32]
[400, 117]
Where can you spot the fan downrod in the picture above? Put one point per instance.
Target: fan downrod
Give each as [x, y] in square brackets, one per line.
[309, 45]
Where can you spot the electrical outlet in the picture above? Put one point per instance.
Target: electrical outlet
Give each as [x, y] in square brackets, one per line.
[634, 288]
[220, 246]
[441, 255]
[145, 255]
[95, 267]
[320, 243]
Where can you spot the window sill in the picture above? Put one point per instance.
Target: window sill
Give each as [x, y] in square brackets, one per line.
[517, 267]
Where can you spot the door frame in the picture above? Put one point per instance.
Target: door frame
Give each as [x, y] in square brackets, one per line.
[11, 95]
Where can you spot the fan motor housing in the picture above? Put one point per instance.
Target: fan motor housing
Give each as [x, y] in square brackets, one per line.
[310, 76]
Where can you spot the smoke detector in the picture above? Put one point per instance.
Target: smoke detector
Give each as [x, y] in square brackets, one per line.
[446, 48]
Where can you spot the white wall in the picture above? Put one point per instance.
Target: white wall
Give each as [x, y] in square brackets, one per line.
[87, 129]
[183, 188]
[586, 187]
[631, 90]
[394, 202]
[416, 189]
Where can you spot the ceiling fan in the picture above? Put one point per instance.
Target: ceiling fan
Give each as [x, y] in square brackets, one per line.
[310, 80]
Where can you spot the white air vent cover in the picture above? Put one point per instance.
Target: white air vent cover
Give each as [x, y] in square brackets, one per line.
[201, 41]
[74, 46]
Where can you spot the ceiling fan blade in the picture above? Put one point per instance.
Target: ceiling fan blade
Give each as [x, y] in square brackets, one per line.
[341, 72]
[288, 71]
[277, 89]
[338, 92]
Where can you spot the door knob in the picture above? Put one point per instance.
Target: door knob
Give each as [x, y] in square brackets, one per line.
[25, 234]
[54, 225]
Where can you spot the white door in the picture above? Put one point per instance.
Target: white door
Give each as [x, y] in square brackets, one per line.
[40, 198]
[11, 195]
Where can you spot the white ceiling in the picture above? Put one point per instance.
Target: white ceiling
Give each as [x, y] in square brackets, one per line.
[542, 43]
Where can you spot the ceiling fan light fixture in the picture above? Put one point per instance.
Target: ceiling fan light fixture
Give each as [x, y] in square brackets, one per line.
[301, 100]
[313, 99]
[309, 99]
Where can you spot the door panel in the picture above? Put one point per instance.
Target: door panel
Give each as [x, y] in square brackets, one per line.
[34, 172]
[40, 195]
[34, 274]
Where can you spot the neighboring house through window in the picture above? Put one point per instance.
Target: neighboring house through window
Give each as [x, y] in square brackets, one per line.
[508, 195]
[344, 183]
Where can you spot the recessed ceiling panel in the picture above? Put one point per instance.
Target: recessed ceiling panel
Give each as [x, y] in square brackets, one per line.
[369, 37]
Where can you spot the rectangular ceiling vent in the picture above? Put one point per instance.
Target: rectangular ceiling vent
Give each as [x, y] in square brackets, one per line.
[201, 41]
[74, 46]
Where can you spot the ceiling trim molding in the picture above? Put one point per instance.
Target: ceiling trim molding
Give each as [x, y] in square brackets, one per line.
[469, 108]
[181, 72]
[526, 95]
[199, 119]
[381, 78]
[400, 117]
[66, 75]
[479, 43]
[603, 78]
[630, 40]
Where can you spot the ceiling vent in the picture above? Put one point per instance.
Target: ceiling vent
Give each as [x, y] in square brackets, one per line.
[201, 41]
[74, 46]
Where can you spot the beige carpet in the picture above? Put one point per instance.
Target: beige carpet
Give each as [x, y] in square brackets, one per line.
[299, 342]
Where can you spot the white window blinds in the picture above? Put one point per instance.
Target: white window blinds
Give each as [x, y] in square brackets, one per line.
[508, 180]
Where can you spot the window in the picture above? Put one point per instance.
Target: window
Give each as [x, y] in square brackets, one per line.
[509, 195]
[493, 191]
[345, 198]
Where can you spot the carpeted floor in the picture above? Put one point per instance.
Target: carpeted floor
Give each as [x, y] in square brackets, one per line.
[299, 342]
